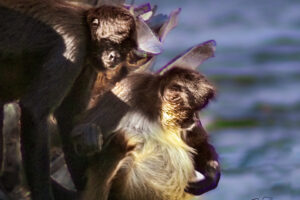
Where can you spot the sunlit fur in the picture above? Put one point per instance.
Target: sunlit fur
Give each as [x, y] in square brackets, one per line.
[115, 24]
[152, 113]
[115, 27]
[67, 20]
[149, 170]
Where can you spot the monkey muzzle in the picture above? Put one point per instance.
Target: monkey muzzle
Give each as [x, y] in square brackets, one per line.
[110, 59]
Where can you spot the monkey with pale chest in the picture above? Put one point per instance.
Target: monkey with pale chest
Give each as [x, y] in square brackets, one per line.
[157, 114]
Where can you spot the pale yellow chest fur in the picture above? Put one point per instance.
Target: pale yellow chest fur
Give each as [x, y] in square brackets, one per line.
[161, 166]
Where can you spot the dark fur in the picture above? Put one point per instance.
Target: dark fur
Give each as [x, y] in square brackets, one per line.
[111, 44]
[1, 133]
[179, 93]
[44, 47]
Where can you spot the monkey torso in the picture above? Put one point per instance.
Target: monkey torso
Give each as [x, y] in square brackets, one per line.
[159, 167]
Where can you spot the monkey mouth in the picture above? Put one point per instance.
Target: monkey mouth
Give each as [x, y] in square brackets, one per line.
[110, 59]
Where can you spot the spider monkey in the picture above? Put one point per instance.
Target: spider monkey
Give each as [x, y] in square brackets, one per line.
[157, 117]
[50, 52]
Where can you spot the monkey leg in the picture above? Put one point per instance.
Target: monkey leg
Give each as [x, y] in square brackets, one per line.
[11, 173]
[1, 135]
[35, 153]
[66, 115]
[46, 93]
[104, 166]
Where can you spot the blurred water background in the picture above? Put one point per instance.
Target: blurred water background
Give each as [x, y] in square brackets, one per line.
[255, 120]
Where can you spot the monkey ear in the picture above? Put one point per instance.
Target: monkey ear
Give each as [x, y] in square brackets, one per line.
[146, 39]
[191, 58]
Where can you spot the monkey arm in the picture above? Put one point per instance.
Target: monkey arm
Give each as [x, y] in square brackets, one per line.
[205, 159]
[87, 139]
[1, 135]
[66, 115]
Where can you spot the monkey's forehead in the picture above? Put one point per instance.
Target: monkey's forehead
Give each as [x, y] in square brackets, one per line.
[117, 23]
[112, 12]
[115, 31]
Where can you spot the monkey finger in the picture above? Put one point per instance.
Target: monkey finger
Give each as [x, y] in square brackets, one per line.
[117, 144]
[87, 139]
[210, 181]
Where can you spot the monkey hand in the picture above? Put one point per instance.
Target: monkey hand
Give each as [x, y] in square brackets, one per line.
[87, 139]
[210, 181]
[116, 146]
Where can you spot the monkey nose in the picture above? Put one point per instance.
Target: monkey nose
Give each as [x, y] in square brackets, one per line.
[112, 56]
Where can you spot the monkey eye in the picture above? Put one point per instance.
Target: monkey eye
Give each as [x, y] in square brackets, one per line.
[175, 87]
[95, 22]
[121, 32]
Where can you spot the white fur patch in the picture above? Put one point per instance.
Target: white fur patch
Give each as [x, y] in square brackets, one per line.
[199, 177]
[137, 123]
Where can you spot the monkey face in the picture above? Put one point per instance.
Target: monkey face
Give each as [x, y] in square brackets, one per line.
[109, 22]
[183, 93]
[110, 58]
[189, 89]
[113, 35]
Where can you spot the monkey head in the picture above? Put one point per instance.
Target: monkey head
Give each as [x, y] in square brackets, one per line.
[113, 32]
[185, 92]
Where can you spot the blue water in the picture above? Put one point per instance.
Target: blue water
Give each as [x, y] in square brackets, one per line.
[255, 120]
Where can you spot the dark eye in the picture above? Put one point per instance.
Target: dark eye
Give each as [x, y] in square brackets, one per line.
[121, 32]
[175, 87]
[189, 77]
[125, 17]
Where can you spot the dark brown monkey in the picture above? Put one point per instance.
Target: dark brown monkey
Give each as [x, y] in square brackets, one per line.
[157, 114]
[44, 47]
